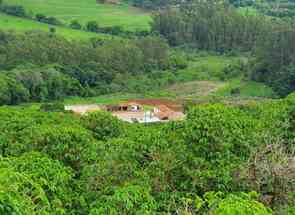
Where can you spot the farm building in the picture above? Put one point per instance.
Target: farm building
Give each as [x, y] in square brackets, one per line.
[165, 113]
[131, 112]
[137, 117]
[82, 109]
[129, 106]
[136, 111]
[162, 110]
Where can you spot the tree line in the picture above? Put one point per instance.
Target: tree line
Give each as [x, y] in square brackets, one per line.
[38, 66]
[274, 63]
[214, 26]
[219, 27]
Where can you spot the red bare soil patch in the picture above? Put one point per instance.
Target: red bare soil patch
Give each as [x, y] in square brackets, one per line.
[173, 105]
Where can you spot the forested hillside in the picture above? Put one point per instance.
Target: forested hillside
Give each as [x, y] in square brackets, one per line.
[230, 65]
[223, 29]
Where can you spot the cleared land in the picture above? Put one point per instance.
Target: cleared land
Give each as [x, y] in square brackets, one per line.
[199, 89]
[21, 25]
[202, 79]
[195, 89]
[246, 89]
[123, 15]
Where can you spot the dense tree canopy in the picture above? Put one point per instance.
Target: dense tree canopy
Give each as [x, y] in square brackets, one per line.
[219, 27]
[36, 66]
[275, 59]
[211, 26]
[221, 159]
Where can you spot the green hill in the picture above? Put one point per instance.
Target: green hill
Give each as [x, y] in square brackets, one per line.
[123, 15]
[21, 25]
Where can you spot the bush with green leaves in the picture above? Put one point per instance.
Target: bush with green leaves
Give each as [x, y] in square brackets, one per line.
[48, 174]
[218, 139]
[232, 204]
[75, 24]
[11, 91]
[53, 107]
[235, 70]
[289, 122]
[103, 125]
[215, 128]
[14, 10]
[117, 164]
[19, 194]
[92, 26]
[127, 200]
[178, 61]
[276, 119]
[71, 145]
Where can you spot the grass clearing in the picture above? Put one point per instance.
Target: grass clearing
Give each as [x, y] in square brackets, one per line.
[194, 89]
[246, 89]
[124, 15]
[205, 68]
[21, 25]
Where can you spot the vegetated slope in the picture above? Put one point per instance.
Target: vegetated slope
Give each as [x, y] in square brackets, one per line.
[200, 81]
[245, 89]
[195, 89]
[130, 18]
[20, 25]
[204, 77]
[205, 66]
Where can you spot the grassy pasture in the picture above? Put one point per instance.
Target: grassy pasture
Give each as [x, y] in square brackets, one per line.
[195, 88]
[128, 17]
[246, 89]
[21, 25]
[202, 79]
[207, 67]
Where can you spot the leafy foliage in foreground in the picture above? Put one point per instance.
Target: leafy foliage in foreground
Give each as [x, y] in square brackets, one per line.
[221, 160]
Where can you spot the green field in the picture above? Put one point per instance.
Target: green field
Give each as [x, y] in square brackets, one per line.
[246, 89]
[21, 25]
[206, 67]
[128, 17]
[202, 78]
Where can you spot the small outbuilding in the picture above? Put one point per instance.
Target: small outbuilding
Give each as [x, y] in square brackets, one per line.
[129, 106]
